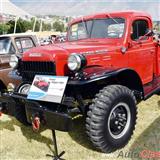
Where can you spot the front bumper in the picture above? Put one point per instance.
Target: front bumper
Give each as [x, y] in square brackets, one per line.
[53, 116]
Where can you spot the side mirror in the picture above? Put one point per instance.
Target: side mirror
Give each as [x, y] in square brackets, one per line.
[148, 33]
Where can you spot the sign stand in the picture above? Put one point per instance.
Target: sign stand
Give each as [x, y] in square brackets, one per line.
[56, 155]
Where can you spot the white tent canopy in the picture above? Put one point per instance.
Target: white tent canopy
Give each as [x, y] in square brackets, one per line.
[8, 8]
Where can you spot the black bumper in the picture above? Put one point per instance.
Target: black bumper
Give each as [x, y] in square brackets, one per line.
[51, 116]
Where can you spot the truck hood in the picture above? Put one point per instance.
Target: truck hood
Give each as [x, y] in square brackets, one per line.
[62, 50]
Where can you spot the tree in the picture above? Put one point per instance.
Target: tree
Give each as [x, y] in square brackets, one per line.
[58, 26]
[22, 26]
[4, 28]
[37, 25]
[46, 27]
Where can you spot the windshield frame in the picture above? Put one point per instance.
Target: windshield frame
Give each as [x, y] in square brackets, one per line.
[93, 21]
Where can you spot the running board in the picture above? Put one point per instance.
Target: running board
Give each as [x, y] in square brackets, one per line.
[155, 91]
[152, 88]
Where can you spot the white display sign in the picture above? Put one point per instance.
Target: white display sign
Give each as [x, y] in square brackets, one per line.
[48, 88]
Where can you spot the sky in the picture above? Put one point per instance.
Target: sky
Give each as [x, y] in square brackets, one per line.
[84, 7]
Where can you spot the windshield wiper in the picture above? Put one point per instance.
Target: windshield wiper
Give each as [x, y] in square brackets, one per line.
[112, 18]
[84, 25]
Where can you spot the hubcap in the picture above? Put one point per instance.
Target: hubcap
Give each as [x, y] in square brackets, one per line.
[24, 89]
[119, 120]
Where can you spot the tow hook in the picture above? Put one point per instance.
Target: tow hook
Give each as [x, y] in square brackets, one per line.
[36, 123]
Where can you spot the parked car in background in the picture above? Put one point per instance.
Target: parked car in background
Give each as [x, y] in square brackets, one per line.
[60, 38]
[13, 46]
[52, 39]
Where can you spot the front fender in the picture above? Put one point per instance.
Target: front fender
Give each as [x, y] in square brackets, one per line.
[92, 79]
[14, 75]
[95, 74]
[123, 76]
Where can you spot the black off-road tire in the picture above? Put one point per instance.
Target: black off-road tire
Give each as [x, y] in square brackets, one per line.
[97, 126]
[20, 114]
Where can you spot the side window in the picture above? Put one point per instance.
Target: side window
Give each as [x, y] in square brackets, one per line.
[6, 46]
[18, 44]
[27, 43]
[23, 44]
[12, 49]
[139, 28]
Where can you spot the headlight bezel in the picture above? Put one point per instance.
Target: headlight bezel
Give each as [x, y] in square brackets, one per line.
[13, 61]
[78, 59]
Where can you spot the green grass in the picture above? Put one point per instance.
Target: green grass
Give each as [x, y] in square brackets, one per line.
[18, 142]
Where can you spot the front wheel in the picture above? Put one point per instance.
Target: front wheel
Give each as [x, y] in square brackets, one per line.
[111, 118]
[20, 112]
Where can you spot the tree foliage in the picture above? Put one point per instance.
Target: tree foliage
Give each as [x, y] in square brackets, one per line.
[4, 28]
[58, 26]
[24, 25]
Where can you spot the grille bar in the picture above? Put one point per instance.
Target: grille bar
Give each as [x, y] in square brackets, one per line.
[29, 69]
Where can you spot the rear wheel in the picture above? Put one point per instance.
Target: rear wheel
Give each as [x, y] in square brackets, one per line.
[111, 118]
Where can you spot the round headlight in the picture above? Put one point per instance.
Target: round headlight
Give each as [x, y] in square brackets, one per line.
[76, 61]
[13, 61]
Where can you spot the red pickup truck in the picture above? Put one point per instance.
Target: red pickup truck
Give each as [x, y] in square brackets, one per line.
[112, 62]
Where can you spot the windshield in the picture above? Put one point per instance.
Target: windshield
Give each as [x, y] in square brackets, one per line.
[6, 46]
[97, 28]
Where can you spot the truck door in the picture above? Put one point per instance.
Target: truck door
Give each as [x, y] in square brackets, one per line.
[158, 60]
[141, 51]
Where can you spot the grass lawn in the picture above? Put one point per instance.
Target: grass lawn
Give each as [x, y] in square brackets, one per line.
[18, 142]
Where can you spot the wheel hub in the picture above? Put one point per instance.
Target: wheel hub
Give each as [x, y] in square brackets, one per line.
[119, 120]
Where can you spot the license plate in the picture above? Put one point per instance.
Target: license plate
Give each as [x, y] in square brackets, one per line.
[48, 88]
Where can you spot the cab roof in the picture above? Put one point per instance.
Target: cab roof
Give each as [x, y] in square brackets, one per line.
[112, 14]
